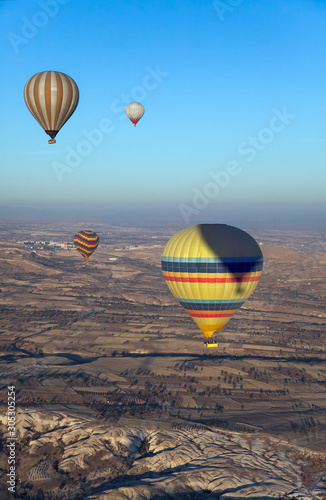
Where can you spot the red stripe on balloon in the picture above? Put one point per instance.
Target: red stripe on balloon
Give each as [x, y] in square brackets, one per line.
[211, 280]
[201, 314]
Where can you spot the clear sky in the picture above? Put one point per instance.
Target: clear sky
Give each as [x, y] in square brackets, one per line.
[235, 107]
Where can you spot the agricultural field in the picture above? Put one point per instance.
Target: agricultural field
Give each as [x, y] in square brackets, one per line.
[106, 340]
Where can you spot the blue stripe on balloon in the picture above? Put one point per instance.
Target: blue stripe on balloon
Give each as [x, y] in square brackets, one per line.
[212, 305]
[213, 267]
[217, 260]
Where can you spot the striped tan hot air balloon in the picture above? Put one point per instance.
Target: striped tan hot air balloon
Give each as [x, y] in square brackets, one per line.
[51, 97]
[212, 269]
[86, 242]
[134, 111]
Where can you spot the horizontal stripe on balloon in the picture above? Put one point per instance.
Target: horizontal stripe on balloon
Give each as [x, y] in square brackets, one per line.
[206, 267]
[225, 314]
[85, 244]
[87, 238]
[87, 250]
[217, 260]
[198, 279]
[211, 305]
[87, 234]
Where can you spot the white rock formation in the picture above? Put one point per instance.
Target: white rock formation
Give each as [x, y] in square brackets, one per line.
[145, 464]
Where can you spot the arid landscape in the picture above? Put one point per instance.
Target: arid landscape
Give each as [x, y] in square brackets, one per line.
[116, 393]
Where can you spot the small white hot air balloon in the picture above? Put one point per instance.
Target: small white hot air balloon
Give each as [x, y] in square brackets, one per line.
[134, 111]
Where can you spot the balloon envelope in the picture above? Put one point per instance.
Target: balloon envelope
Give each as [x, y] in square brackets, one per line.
[51, 97]
[86, 242]
[212, 269]
[134, 111]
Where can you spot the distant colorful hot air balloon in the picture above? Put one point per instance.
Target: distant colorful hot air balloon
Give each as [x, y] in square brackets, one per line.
[212, 269]
[51, 97]
[86, 242]
[134, 111]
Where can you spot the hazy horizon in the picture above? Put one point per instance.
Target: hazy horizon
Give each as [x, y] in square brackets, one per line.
[262, 217]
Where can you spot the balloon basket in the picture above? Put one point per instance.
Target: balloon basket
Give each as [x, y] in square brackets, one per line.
[209, 344]
[52, 141]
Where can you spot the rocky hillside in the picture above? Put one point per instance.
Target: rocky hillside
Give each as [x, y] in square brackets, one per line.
[78, 457]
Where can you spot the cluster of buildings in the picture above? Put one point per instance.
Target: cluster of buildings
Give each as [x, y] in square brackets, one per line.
[47, 244]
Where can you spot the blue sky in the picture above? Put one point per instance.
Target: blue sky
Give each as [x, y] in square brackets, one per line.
[216, 78]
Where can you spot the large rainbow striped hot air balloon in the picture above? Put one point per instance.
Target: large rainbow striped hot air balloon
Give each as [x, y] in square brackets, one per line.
[212, 269]
[51, 97]
[86, 242]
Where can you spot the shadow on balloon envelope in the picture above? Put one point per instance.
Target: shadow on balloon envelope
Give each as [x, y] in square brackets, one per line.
[242, 259]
